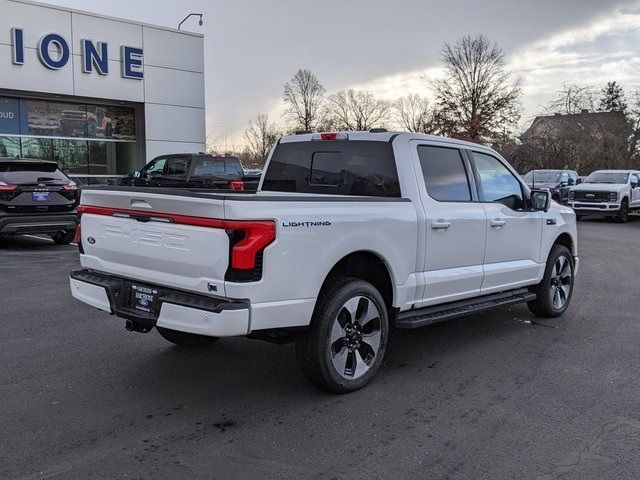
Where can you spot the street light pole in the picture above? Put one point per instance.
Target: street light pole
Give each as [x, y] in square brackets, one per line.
[200, 22]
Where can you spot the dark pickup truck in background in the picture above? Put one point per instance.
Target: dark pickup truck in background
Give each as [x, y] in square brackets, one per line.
[193, 170]
[558, 182]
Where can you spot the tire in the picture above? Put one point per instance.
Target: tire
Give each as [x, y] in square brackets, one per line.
[64, 237]
[623, 213]
[555, 290]
[186, 340]
[344, 346]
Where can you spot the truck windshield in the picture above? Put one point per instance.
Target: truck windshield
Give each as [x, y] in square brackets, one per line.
[608, 177]
[342, 167]
[543, 176]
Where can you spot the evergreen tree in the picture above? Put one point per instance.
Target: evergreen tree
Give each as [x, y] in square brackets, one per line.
[613, 99]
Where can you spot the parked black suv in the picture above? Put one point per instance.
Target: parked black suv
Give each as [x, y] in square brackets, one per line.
[193, 170]
[36, 197]
[557, 181]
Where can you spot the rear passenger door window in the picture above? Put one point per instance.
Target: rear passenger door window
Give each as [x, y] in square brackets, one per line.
[177, 166]
[497, 183]
[174, 175]
[444, 173]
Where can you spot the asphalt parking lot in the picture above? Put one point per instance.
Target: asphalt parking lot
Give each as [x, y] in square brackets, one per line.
[485, 397]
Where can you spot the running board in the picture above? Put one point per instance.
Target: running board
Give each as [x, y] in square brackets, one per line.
[439, 313]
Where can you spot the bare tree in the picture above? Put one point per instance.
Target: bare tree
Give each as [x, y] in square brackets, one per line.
[303, 95]
[572, 99]
[476, 98]
[212, 144]
[414, 114]
[357, 110]
[261, 135]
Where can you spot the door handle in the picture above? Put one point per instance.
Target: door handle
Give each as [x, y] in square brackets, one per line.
[497, 223]
[440, 225]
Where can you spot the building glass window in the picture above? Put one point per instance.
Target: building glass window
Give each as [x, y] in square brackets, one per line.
[83, 138]
[9, 146]
[55, 119]
[71, 155]
[37, 148]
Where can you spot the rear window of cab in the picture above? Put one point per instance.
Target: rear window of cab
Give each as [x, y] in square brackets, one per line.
[340, 167]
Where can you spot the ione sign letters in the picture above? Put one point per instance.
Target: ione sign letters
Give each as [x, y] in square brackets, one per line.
[95, 56]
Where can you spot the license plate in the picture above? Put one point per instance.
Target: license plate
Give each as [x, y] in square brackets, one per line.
[143, 298]
[40, 196]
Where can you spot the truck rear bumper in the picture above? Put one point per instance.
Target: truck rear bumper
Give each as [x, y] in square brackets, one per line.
[173, 309]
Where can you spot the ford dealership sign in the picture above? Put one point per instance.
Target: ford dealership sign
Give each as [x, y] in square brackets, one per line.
[54, 53]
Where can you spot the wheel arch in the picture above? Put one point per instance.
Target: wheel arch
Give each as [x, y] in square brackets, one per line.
[566, 240]
[368, 266]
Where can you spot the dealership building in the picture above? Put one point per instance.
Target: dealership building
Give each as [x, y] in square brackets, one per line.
[100, 95]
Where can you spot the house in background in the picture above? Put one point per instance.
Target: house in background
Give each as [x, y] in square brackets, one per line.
[586, 123]
[584, 141]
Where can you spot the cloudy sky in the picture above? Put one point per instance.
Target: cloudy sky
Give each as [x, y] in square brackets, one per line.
[253, 46]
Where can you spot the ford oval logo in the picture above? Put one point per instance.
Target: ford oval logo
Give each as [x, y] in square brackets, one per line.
[91, 240]
[590, 195]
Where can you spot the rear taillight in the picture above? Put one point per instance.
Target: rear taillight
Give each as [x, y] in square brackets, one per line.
[70, 191]
[5, 187]
[255, 236]
[236, 185]
[7, 192]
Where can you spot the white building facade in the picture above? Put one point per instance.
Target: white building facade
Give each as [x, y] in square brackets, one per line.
[100, 95]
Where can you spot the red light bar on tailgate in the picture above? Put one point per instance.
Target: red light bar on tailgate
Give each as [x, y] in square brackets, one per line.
[257, 234]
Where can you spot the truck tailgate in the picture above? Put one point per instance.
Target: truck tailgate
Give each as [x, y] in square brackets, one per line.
[165, 239]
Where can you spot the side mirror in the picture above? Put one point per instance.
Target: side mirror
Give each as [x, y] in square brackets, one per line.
[578, 181]
[571, 182]
[136, 174]
[634, 184]
[540, 200]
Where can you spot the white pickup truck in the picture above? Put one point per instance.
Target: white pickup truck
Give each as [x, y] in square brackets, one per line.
[612, 193]
[349, 233]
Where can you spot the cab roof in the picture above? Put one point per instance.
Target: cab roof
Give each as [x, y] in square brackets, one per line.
[379, 136]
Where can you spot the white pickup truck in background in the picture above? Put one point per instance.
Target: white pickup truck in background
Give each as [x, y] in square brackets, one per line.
[349, 233]
[612, 193]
